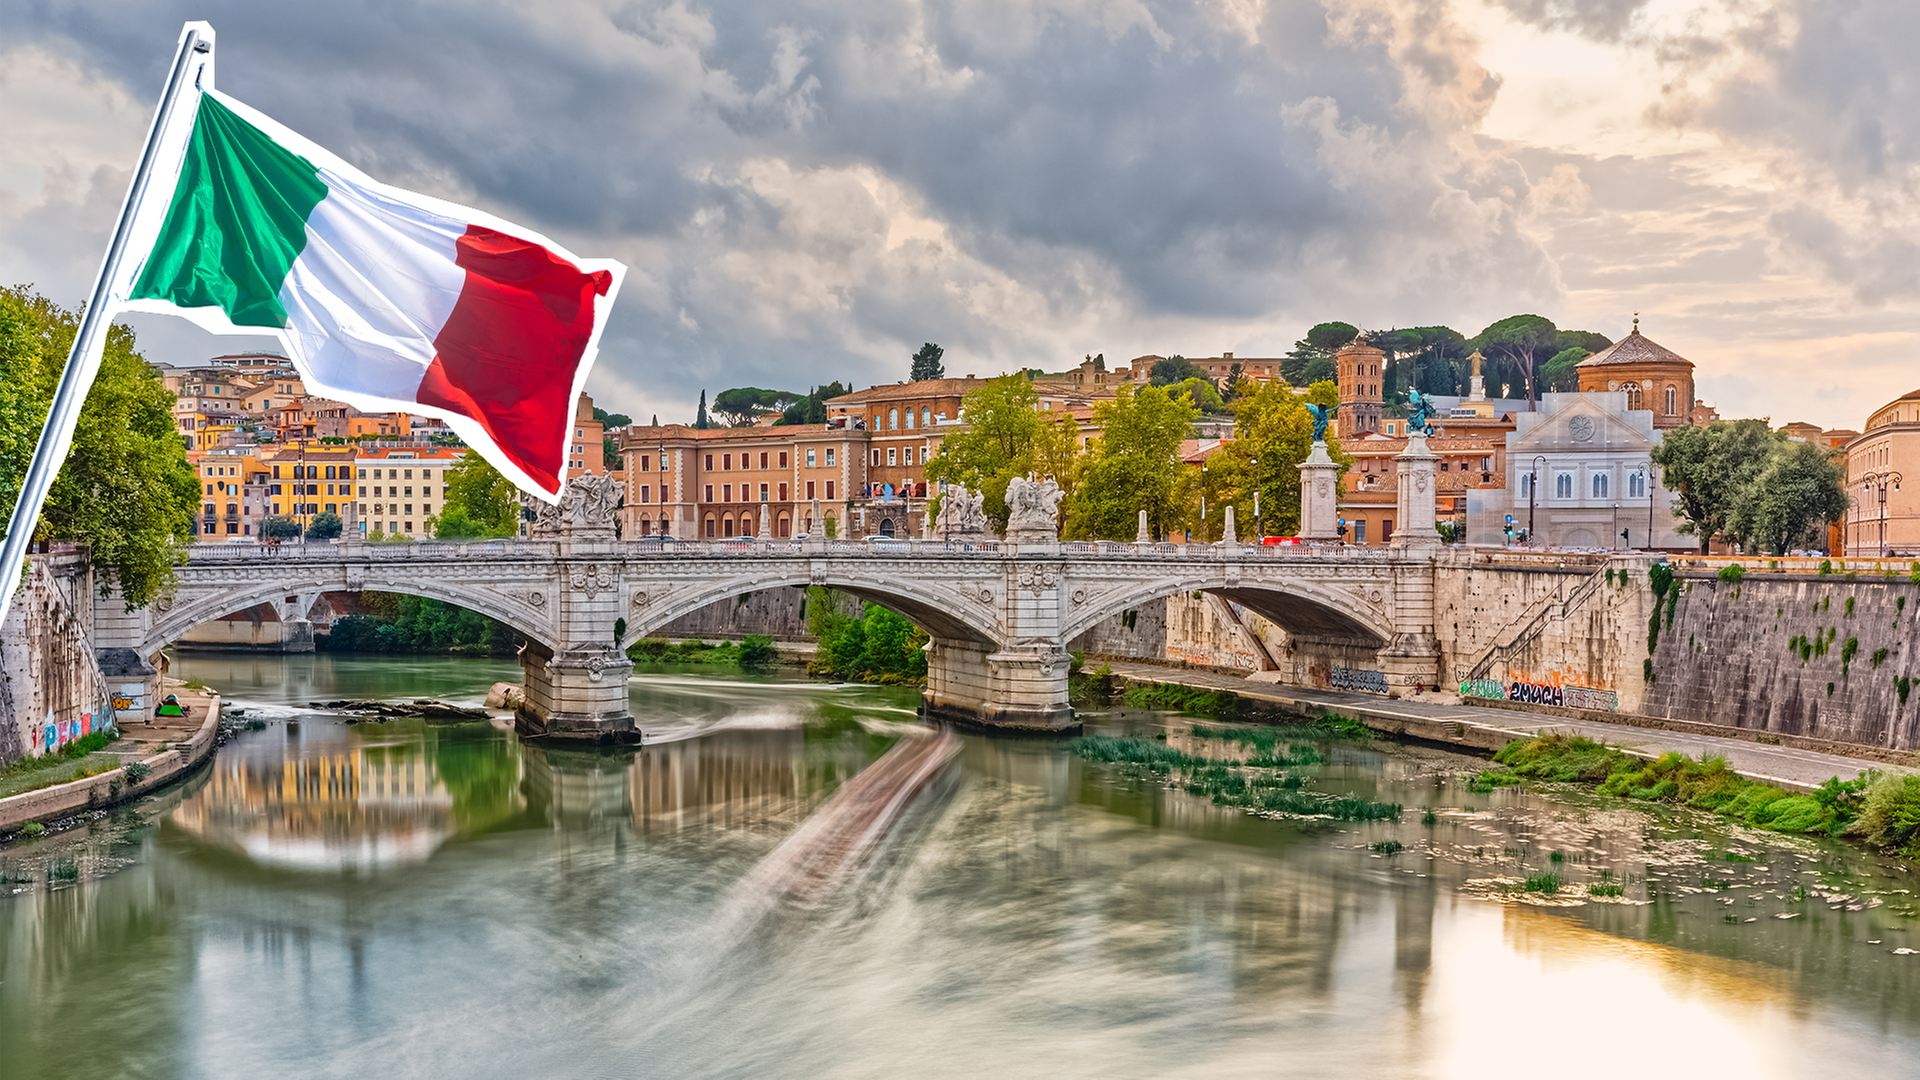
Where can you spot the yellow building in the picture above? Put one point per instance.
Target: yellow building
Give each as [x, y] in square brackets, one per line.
[1885, 516]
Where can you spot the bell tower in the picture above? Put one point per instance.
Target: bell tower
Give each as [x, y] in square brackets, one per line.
[1360, 367]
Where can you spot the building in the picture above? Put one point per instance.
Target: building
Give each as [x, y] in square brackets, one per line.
[396, 491]
[1884, 518]
[1358, 367]
[1654, 378]
[1217, 368]
[586, 453]
[1591, 457]
[727, 482]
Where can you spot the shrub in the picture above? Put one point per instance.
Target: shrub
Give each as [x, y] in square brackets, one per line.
[1890, 814]
[1732, 572]
[1388, 847]
[756, 652]
[1849, 607]
[137, 771]
[1826, 567]
[32, 828]
[1879, 657]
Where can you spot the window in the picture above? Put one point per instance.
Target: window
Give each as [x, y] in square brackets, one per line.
[909, 419]
[1633, 395]
[906, 456]
[363, 474]
[924, 416]
[646, 462]
[709, 527]
[763, 493]
[783, 459]
[810, 489]
[1600, 485]
[426, 474]
[1636, 486]
[709, 497]
[646, 493]
[1673, 396]
[709, 464]
[763, 459]
[726, 461]
[893, 419]
[409, 474]
[1526, 485]
[876, 455]
[783, 493]
[1563, 486]
[425, 491]
[809, 457]
[1359, 532]
[892, 456]
[829, 489]
[829, 457]
[409, 491]
[727, 526]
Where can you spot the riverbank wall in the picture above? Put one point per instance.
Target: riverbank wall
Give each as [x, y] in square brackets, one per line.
[113, 787]
[54, 686]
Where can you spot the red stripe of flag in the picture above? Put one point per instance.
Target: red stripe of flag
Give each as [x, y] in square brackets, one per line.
[508, 353]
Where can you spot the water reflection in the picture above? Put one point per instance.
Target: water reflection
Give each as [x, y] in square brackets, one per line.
[1049, 918]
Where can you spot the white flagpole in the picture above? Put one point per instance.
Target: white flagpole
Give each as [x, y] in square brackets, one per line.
[83, 362]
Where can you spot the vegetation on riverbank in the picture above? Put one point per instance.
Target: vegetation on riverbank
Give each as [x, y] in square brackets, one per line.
[397, 623]
[79, 759]
[1883, 809]
[877, 647]
[755, 652]
[1101, 688]
[1257, 783]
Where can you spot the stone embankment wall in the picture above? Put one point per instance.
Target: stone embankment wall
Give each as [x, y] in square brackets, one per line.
[780, 613]
[50, 679]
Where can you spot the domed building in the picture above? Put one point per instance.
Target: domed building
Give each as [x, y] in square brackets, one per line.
[1884, 519]
[1655, 378]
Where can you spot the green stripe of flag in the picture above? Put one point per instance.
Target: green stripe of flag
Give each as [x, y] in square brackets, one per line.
[237, 222]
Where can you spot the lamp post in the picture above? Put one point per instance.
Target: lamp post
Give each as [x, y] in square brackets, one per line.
[1259, 530]
[1877, 482]
[1645, 472]
[1533, 493]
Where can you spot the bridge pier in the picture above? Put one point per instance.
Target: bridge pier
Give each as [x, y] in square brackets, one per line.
[578, 694]
[1023, 689]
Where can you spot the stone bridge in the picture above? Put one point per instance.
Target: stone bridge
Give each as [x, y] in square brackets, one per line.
[999, 614]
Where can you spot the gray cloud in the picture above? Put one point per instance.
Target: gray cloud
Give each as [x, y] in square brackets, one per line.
[807, 190]
[1602, 20]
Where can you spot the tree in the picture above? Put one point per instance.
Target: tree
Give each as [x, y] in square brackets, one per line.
[700, 420]
[478, 498]
[126, 489]
[324, 526]
[1521, 342]
[1558, 375]
[1134, 465]
[1174, 369]
[1801, 488]
[611, 420]
[1440, 366]
[1273, 434]
[1710, 470]
[812, 409]
[1230, 388]
[1320, 344]
[926, 363]
[1003, 423]
[743, 405]
[454, 524]
[1199, 393]
[280, 527]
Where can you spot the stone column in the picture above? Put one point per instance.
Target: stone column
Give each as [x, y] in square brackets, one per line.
[1142, 536]
[1320, 497]
[576, 685]
[1414, 471]
[1227, 535]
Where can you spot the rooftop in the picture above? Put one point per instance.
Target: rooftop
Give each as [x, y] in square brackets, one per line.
[1635, 348]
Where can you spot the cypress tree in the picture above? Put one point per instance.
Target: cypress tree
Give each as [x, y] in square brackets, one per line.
[700, 420]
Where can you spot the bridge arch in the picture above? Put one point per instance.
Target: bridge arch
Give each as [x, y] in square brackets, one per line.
[192, 607]
[943, 612]
[1301, 607]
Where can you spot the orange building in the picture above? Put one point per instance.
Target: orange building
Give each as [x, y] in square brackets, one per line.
[1358, 367]
[1653, 377]
[719, 483]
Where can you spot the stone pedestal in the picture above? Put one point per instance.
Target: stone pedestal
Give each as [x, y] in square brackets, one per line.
[1019, 689]
[1142, 536]
[1415, 471]
[1228, 534]
[578, 694]
[1320, 497]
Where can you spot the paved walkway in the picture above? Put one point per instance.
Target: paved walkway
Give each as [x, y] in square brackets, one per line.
[1490, 729]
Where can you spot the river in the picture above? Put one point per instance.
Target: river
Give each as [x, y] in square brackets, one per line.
[346, 899]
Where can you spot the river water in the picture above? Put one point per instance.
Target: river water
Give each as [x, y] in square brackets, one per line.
[345, 899]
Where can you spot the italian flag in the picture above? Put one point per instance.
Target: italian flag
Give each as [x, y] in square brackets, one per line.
[383, 298]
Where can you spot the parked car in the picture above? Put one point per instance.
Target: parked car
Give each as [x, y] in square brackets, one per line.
[1273, 541]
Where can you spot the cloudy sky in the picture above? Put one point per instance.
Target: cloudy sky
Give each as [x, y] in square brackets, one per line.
[806, 191]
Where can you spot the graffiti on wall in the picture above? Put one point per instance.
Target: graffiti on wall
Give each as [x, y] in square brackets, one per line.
[1356, 679]
[1552, 690]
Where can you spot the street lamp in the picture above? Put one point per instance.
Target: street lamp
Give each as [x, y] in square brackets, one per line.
[1533, 493]
[1877, 481]
[1258, 528]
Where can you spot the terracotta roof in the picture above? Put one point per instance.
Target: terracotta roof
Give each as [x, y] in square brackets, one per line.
[897, 391]
[1635, 348]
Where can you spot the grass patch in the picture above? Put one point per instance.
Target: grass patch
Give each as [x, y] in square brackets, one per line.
[1837, 807]
[1230, 708]
[1602, 888]
[1388, 847]
[71, 762]
[1543, 883]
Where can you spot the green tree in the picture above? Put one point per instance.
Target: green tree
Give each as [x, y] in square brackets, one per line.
[700, 420]
[926, 363]
[1174, 369]
[1440, 366]
[1317, 347]
[324, 526]
[1199, 393]
[1522, 343]
[280, 528]
[479, 502]
[1801, 489]
[812, 409]
[1558, 375]
[742, 405]
[1133, 465]
[612, 420]
[1002, 424]
[126, 489]
[1273, 434]
[1710, 470]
